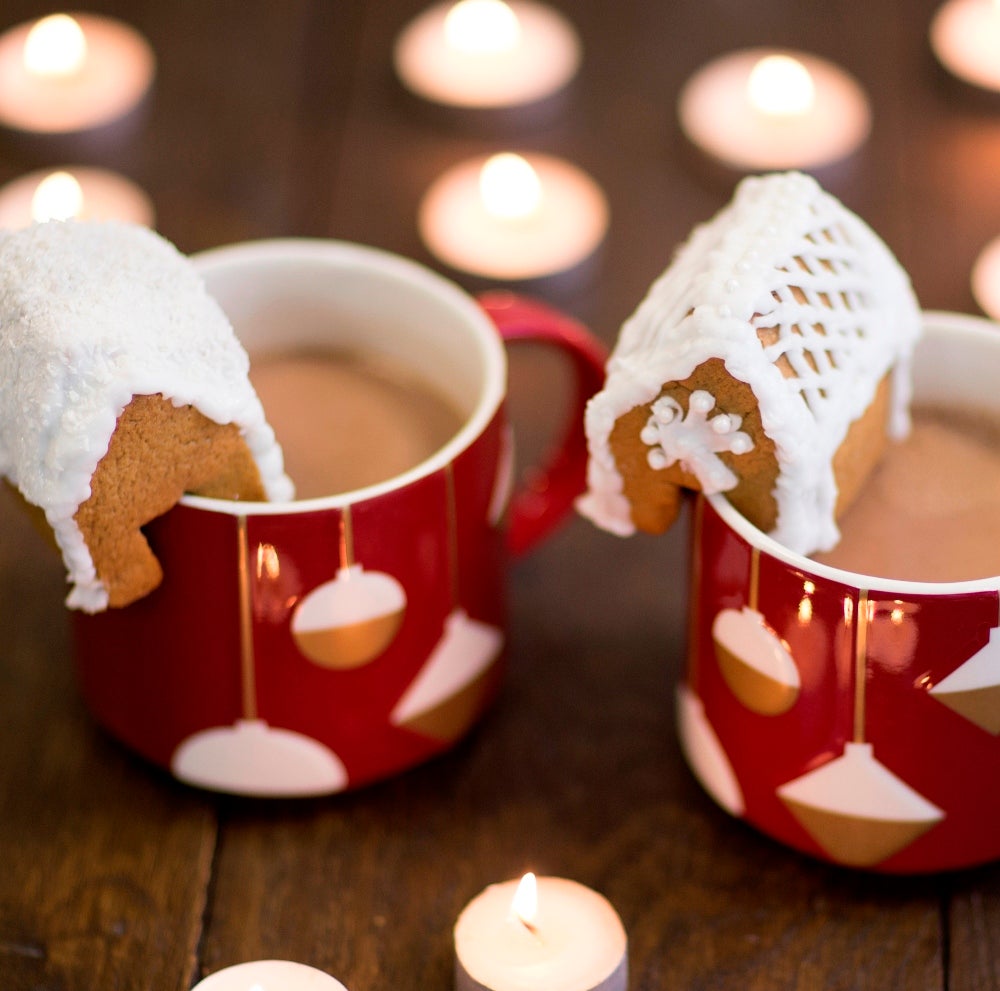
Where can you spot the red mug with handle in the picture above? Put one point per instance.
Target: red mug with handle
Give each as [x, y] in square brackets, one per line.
[308, 647]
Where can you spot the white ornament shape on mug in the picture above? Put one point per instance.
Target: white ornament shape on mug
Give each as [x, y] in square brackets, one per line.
[250, 757]
[450, 689]
[700, 744]
[349, 621]
[857, 810]
[754, 661]
[705, 754]
[973, 689]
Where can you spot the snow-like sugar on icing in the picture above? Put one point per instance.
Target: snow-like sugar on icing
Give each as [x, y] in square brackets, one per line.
[736, 274]
[91, 314]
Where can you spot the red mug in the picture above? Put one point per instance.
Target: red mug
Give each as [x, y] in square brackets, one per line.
[854, 718]
[308, 647]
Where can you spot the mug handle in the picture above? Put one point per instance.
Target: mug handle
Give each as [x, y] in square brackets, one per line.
[548, 491]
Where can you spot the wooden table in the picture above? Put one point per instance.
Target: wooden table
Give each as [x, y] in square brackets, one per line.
[284, 119]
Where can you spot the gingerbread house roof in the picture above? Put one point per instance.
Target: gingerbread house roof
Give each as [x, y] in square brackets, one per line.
[839, 313]
[91, 314]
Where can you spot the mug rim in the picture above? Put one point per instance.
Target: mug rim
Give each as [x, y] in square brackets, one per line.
[341, 254]
[949, 323]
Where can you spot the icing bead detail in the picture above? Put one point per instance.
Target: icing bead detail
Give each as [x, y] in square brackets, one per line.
[695, 440]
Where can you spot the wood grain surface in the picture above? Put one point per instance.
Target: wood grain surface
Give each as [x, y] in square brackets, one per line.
[273, 119]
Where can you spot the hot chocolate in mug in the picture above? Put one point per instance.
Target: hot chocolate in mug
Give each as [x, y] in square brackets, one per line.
[307, 647]
[856, 717]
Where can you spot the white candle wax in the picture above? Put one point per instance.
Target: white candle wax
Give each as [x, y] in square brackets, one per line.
[965, 37]
[79, 193]
[494, 55]
[574, 942]
[986, 279]
[500, 224]
[799, 111]
[60, 85]
[269, 975]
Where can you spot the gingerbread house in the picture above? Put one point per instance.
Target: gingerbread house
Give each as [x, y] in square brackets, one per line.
[770, 361]
[122, 385]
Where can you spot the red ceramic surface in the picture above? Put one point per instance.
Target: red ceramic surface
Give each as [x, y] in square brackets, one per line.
[856, 719]
[223, 674]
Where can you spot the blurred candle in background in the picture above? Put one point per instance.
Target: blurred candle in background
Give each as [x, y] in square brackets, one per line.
[965, 37]
[513, 217]
[487, 54]
[63, 73]
[757, 109]
[986, 279]
[269, 975]
[73, 193]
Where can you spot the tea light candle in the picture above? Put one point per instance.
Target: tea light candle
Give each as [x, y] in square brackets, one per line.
[986, 279]
[965, 37]
[77, 193]
[63, 74]
[544, 934]
[756, 110]
[487, 53]
[513, 217]
[269, 975]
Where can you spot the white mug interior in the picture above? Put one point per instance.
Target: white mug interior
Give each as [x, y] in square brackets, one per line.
[288, 294]
[957, 363]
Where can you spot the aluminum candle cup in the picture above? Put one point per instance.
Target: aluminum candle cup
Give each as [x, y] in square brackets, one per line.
[854, 718]
[306, 647]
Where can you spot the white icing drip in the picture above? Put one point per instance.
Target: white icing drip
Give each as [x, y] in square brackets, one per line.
[91, 314]
[735, 276]
[695, 439]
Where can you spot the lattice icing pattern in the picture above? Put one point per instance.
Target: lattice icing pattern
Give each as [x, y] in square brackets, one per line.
[801, 301]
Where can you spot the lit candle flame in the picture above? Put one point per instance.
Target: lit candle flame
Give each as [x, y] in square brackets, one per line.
[524, 906]
[478, 26]
[57, 197]
[55, 46]
[509, 186]
[781, 85]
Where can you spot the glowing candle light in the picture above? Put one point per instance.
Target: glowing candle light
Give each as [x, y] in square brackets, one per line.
[509, 186]
[487, 54]
[965, 37]
[58, 196]
[781, 85]
[524, 904]
[757, 110]
[73, 193]
[63, 74]
[513, 217]
[55, 46]
[544, 934]
[482, 26]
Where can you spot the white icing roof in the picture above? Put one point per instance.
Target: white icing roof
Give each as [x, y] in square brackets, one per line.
[92, 313]
[734, 275]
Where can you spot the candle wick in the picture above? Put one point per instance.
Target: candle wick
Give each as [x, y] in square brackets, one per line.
[531, 927]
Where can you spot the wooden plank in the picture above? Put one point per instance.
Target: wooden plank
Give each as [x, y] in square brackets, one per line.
[105, 862]
[973, 922]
